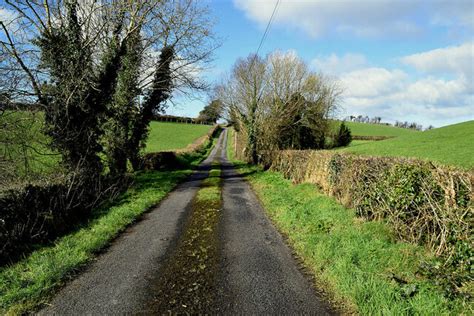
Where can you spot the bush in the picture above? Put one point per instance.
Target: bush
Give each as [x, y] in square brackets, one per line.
[38, 213]
[343, 136]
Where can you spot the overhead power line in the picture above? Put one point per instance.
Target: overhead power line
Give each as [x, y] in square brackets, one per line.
[268, 26]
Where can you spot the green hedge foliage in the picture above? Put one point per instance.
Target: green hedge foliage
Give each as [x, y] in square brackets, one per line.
[424, 203]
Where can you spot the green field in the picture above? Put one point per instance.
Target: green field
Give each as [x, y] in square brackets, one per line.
[171, 136]
[24, 151]
[24, 147]
[365, 129]
[449, 145]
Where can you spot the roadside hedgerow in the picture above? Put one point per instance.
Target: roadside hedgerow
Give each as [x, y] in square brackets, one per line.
[423, 203]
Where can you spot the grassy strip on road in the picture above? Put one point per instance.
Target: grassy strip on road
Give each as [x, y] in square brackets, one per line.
[188, 284]
[360, 264]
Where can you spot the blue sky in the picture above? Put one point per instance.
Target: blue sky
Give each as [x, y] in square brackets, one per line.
[398, 59]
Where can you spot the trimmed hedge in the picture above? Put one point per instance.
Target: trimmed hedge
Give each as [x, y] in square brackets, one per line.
[424, 203]
[38, 213]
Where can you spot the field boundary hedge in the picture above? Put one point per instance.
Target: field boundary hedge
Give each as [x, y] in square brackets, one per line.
[374, 138]
[424, 202]
[39, 212]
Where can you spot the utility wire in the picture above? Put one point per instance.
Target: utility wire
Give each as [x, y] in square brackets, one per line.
[268, 27]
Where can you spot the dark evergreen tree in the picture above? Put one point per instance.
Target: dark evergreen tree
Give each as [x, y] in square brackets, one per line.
[343, 136]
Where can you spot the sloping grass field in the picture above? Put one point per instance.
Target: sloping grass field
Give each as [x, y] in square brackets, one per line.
[166, 136]
[24, 151]
[365, 129]
[449, 145]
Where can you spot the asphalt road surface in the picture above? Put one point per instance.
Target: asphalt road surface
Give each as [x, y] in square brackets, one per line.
[258, 275]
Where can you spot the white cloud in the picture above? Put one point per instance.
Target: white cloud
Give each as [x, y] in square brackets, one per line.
[458, 60]
[334, 64]
[368, 18]
[372, 82]
[395, 94]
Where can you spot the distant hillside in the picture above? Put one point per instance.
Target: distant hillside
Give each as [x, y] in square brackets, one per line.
[451, 145]
[367, 129]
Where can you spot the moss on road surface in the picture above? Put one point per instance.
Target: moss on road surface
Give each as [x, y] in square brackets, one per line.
[188, 282]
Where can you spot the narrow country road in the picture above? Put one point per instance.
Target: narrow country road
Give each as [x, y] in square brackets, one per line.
[257, 273]
[260, 275]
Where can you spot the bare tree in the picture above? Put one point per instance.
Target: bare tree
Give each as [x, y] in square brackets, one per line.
[300, 103]
[278, 103]
[243, 95]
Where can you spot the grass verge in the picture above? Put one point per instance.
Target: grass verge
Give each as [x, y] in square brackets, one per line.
[360, 264]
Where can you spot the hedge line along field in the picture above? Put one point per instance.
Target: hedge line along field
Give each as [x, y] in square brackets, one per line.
[449, 145]
[166, 136]
[367, 129]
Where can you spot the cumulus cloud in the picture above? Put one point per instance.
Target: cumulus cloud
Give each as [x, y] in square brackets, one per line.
[395, 94]
[427, 101]
[449, 60]
[372, 82]
[368, 18]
